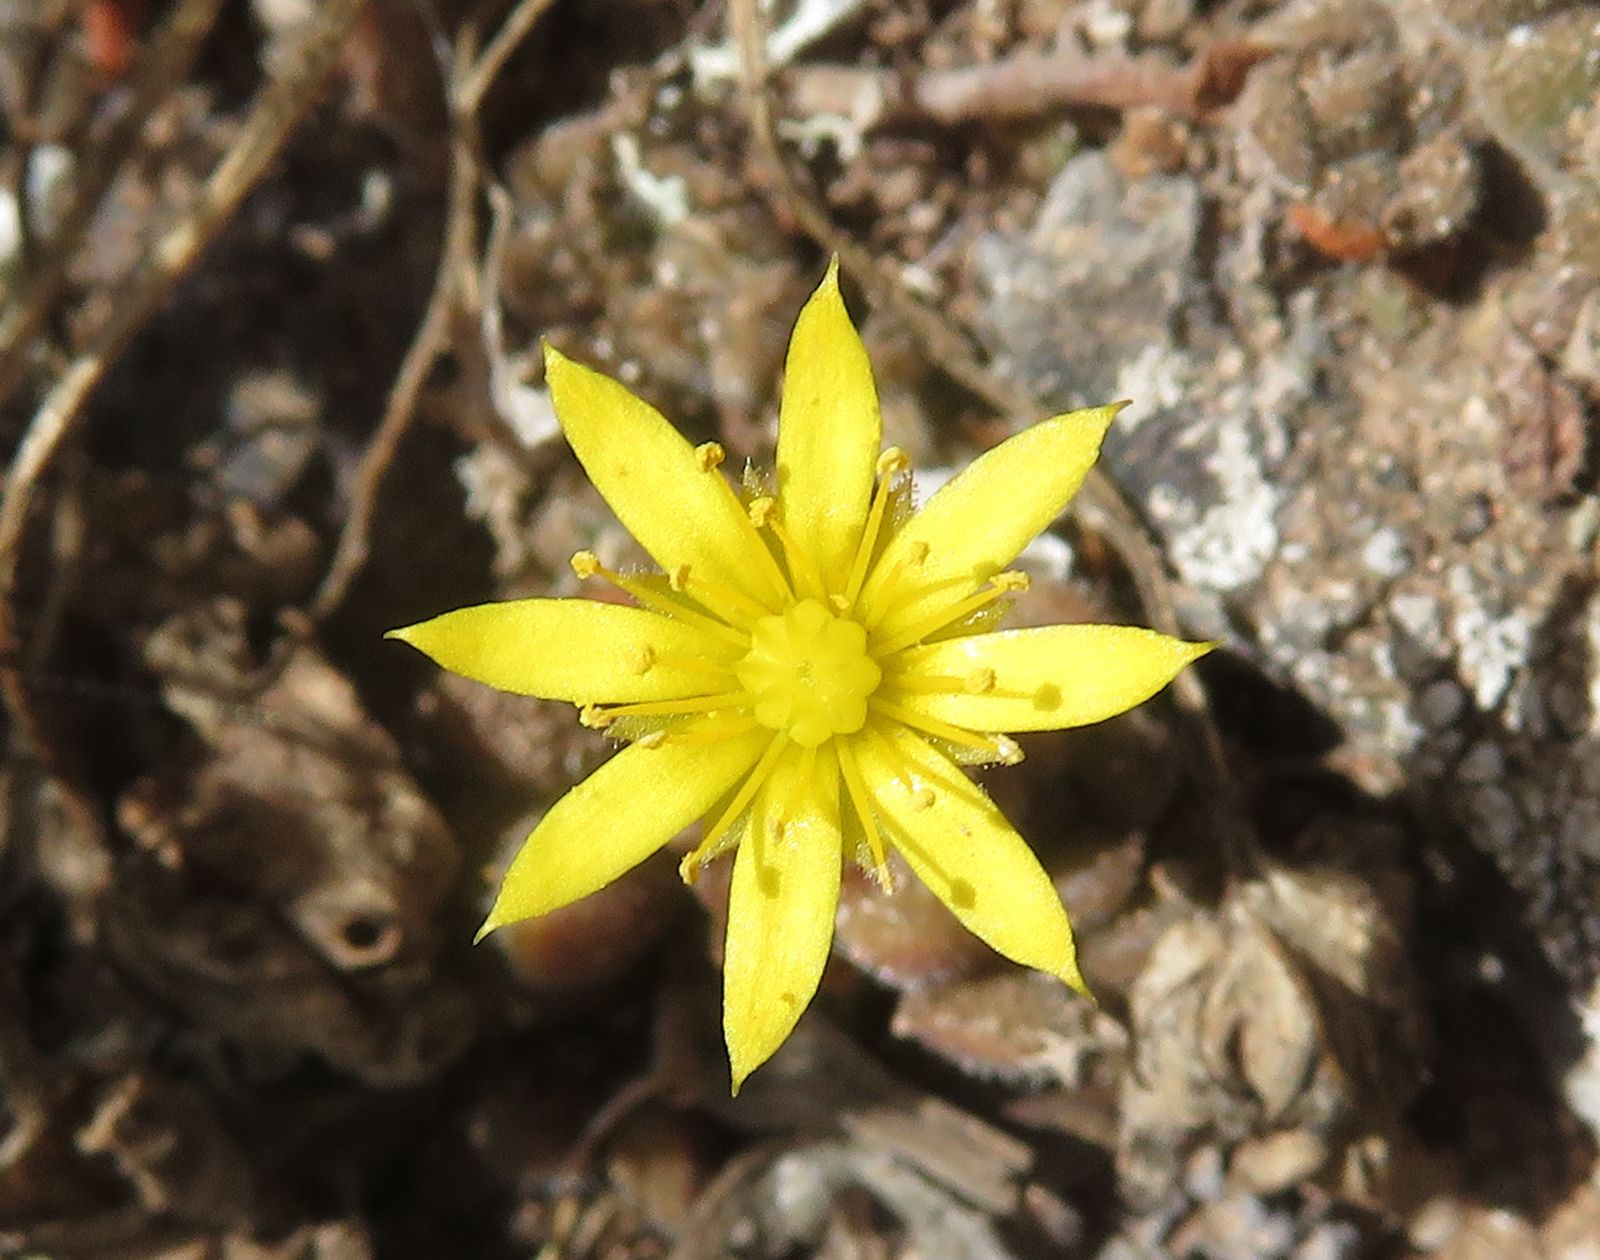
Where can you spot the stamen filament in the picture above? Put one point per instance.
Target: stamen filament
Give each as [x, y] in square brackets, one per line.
[980, 682]
[764, 515]
[890, 465]
[906, 771]
[891, 584]
[856, 787]
[774, 572]
[999, 585]
[797, 789]
[709, 730]
[602, 715]
[586, 565]
[933, 726]
[689, 868]
[685, 580]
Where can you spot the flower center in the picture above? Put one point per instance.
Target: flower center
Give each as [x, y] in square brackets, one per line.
[808, 673]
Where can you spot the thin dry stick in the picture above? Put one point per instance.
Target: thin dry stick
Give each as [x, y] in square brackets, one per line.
[453, 289]
[455, 260]
[481, 77]
[175, 51]
[942, 344]
[279, 106]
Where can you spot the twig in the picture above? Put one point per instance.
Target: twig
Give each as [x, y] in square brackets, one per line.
[942, 344]
[175, 51]
[477, 81]
[279, 106]
[1024, 85]
[454, 288]
[355, 537]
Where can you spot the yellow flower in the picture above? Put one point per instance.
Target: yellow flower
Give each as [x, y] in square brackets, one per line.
[807, 673]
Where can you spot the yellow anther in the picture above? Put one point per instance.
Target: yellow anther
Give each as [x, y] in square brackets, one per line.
[644, 659]
[893, 461]
[1007, 751]
[979, 682]
[709, 455]
[689, 868]
[1011, 581]
[763, 511]
[922, 798]
[594, 717]
[678, 579]
[918, 555]
[651, 739]
[585, 564]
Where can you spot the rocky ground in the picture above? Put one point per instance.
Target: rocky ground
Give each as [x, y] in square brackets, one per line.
[274, 277]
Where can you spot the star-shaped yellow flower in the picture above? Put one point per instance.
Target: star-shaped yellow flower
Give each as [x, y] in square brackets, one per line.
[807, 673]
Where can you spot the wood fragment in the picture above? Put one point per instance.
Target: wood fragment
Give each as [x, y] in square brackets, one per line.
[176, 48]
[280, 105]
[1025, 85]
[455, 292]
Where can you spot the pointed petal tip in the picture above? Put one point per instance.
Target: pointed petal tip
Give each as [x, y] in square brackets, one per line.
[399, 632]
[489, 925]
[1100, 417]
[741, 1063]
[1070, 976]
[553, 358]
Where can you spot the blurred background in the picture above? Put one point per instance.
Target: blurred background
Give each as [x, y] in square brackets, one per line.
[273, 277]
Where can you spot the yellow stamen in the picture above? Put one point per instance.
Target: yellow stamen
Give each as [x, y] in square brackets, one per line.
[689, 868]
[762, 511]
[856, 787]
[1000, 584]
[906, 771]
[686, 581]
[891, 464]
[709, 455]
[587, 565]
[644, 658]
[808, 578]
[711, 730]
[605, 715]
[797, 789]
[944, 730]
[1008, 751]
[914, 558]
[781, 591]
[980, 682]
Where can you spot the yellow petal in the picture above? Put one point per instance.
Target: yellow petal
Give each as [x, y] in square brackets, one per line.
[567, 649]
[829, 431]
[982, 517]
[961, 846]
[1047, 678]
[617, 817]
[781, 910]
[681, 512]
